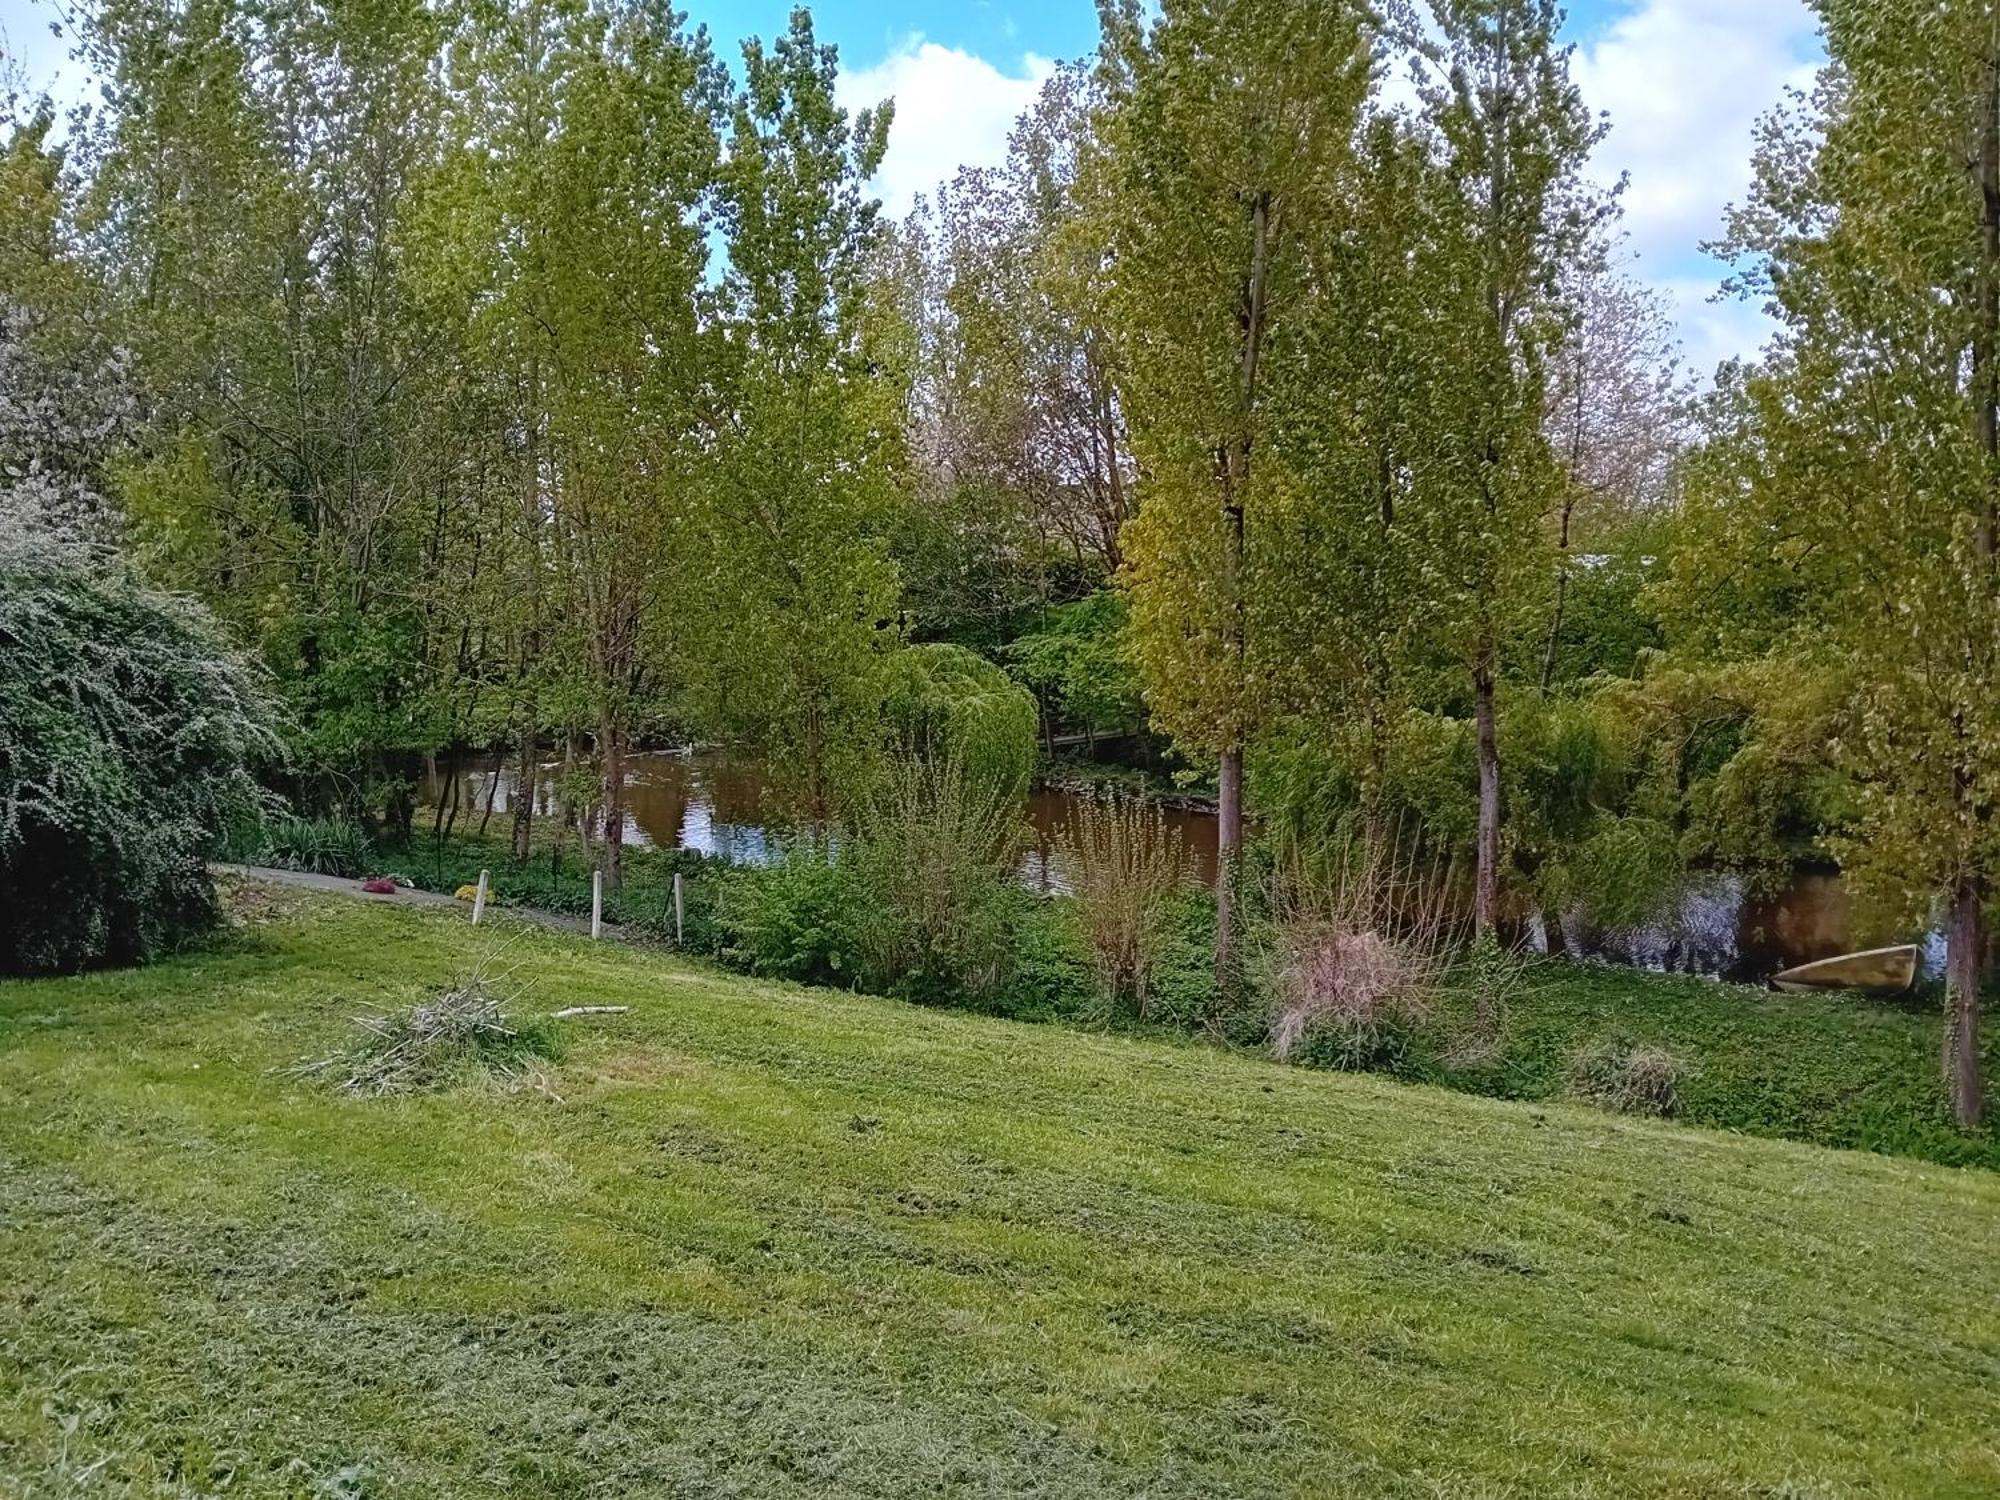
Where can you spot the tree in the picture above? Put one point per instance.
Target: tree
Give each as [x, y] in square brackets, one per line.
[1616, 418]
[798, 605]
[251, 196]
[67, 400]
[1861, 460]
[1512, 135]
[1017, 422]
[621, 356]
[1230, 128]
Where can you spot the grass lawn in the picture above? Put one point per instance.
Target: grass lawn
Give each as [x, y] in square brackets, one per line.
[754, 1240]
[1834, 1069]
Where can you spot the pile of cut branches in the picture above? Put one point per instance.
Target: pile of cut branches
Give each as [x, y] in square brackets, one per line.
[464, 1030]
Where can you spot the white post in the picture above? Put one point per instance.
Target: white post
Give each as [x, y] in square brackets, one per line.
[597, 903]
[479, 899]
[677, 909]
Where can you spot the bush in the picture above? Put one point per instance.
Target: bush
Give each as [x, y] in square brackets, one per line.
[319, 846]
[1631, 1080]
[1122, 862]
[1357, 947]
[128, 732]
[1050, 975]
[934, 853]
[798, 919]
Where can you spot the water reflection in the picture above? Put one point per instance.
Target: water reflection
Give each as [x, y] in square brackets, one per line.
[716, 802]
[1718, 927]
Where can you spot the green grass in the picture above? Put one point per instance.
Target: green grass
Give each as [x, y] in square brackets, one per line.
[1836, 1069]
[755, 1240]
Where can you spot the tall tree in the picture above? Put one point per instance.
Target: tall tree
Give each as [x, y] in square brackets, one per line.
[1865, 451]
[251, 201]
[1019, 421]
[1230, 130]
[800, 603]
[1513, 136]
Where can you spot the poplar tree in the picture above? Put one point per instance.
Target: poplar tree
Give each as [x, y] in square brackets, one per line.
[1230, 132]
[1865, 451]
[1512, 136]
[798, 604]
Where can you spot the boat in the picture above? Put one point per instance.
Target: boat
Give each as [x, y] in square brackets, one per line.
[1875, 971]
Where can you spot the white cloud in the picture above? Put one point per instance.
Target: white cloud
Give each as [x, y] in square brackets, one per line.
[1684, 82]
[952, 109]
[1712, 331]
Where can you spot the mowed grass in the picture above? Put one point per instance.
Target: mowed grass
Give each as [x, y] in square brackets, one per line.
[753, 1240]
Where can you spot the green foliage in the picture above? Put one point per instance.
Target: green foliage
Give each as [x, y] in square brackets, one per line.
[1123, 863]
[320, 846]
[934, 852]
[944, 703]
[1078, 664]
[800, 918]
[917, 900]
[1228, 138]
[129, 735]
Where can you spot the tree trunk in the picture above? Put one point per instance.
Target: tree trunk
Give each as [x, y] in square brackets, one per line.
[524, 791]
[1965, 954]
[1235, 477]
[1486, 888]
[1965, 931]
[1228, 864]
[614, 804]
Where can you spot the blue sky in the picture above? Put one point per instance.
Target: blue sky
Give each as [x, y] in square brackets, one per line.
[1683, 81]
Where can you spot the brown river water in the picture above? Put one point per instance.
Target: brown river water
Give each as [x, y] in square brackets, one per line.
[716, 802]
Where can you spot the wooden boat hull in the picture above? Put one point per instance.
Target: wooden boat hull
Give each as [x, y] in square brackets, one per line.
[1876, 971]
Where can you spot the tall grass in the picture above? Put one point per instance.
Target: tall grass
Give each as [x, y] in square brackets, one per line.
[1122, 861]
[318, 846]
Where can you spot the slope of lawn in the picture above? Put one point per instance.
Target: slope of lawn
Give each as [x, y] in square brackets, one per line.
[753, 1240]
[1835, 1069]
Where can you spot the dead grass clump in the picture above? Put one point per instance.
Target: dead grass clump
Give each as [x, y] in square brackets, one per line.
[1630, 1080]
[463, 1032]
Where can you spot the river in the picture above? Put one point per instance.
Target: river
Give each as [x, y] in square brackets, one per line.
[717, 802]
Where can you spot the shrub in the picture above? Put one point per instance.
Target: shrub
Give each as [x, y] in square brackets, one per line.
[1632, 1080]
[128, 733]
[319, 846]
[797, 919]
[1050, 974]
[934, 852]
[1121, 861]
[1357, 946]
[1183, 991]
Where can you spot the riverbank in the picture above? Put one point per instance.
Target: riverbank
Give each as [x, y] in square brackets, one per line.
[1832, 1070]
[776, 1242]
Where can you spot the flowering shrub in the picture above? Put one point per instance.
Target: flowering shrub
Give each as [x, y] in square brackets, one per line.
[128, 732]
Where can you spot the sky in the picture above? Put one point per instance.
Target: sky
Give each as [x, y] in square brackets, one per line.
[1682, 80]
